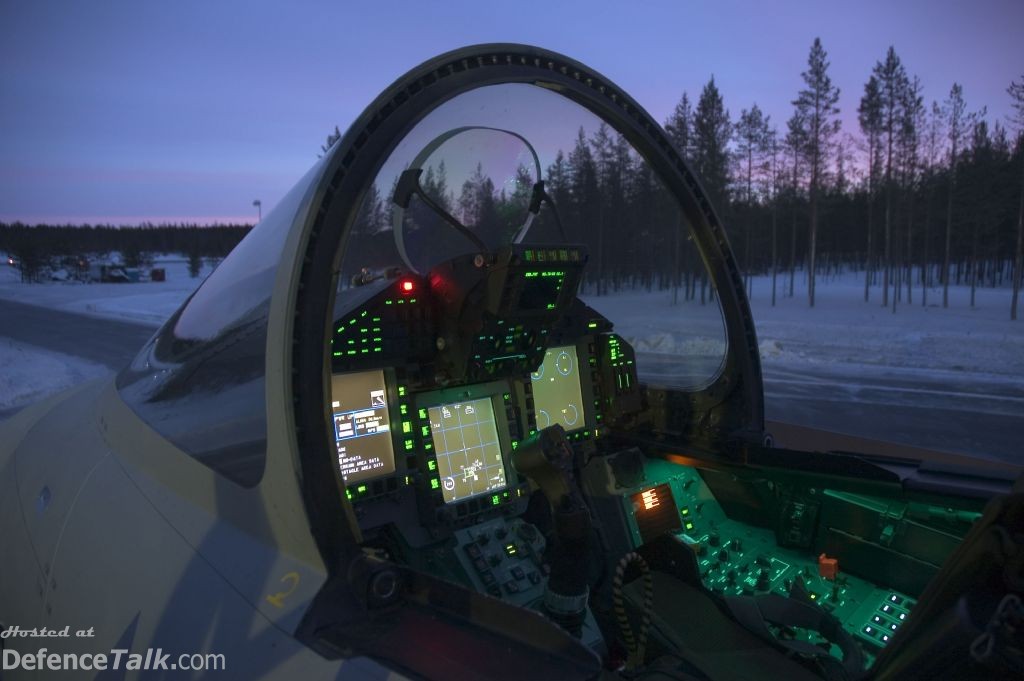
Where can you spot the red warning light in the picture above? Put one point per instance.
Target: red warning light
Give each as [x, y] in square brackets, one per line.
[406, 286]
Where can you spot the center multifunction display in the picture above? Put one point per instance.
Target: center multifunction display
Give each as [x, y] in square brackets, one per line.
[469, 459]
[362, 426]
[467, 435]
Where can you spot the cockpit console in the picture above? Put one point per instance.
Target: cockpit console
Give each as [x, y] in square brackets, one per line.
[492, 430]
[439, 379]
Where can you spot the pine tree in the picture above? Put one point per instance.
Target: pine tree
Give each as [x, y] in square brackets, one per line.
[892, 80]
[751, 141]
[980, 187]
[469, 198]
[912, 124]
[332, 139]
[932, 153]
[557, 187]
[958, 123]
[370, 218]
[711, 134]
[772, 143]
[795, 146]
[584, 206]
[869, 115]
[679, 127]
[819, 113]
[601, 146]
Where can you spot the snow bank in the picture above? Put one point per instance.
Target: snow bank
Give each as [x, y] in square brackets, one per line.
[28, 373]
[146, 303]
[841, 330]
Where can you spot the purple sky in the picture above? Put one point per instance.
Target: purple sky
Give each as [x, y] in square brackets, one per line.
[114, 111]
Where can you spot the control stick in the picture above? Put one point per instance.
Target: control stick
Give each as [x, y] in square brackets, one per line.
[546, 458]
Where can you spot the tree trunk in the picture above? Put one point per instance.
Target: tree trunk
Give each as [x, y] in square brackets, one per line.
[908, 258]
[750, 278]
[949, 230]
[886, 254]
[974, 260]
[867, 260]
[675, 262]
[925, 270]
[812, 247]
[887, 247]
[896, 273]
[1018, 261]
[792, 252]
[750, 217]
[871, 216]
[602, 281]
[775, 252]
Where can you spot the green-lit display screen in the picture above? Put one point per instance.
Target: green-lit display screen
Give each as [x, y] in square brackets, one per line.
[540, 290]
[362, 428]
[556, 390]
[469, 458]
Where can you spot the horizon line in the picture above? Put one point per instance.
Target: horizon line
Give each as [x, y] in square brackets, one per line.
[129, 221]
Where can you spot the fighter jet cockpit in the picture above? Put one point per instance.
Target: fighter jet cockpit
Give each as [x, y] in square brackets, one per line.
[551, 399]
[481, 398]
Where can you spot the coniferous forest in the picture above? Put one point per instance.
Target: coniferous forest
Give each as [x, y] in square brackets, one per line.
[35, 248]
[923, 195]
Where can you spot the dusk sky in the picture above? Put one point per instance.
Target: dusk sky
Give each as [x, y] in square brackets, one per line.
[121, 112]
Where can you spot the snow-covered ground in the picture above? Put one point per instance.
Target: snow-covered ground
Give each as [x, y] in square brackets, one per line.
[28, 373]
[842, 332]
[146, 303]
[841, 329]
[919, 352]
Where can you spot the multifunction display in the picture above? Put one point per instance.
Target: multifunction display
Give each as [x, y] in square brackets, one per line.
[469, 458]
[362, 427]
[556, 390]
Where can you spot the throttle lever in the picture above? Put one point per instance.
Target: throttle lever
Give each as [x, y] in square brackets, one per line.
[547, 459]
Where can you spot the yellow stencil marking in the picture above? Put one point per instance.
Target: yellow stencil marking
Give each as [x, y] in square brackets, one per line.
[277, 600]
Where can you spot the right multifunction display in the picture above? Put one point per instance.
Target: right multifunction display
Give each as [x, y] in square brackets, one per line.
[556, 390]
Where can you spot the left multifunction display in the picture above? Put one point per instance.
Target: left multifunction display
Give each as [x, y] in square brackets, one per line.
[362, 425]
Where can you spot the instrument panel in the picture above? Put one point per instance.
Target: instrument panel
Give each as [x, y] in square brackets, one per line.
[740, 559]
[438, 380]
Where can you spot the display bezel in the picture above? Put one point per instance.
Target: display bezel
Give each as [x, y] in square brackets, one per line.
[366, 485]
[584, 380]
[499, 394]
